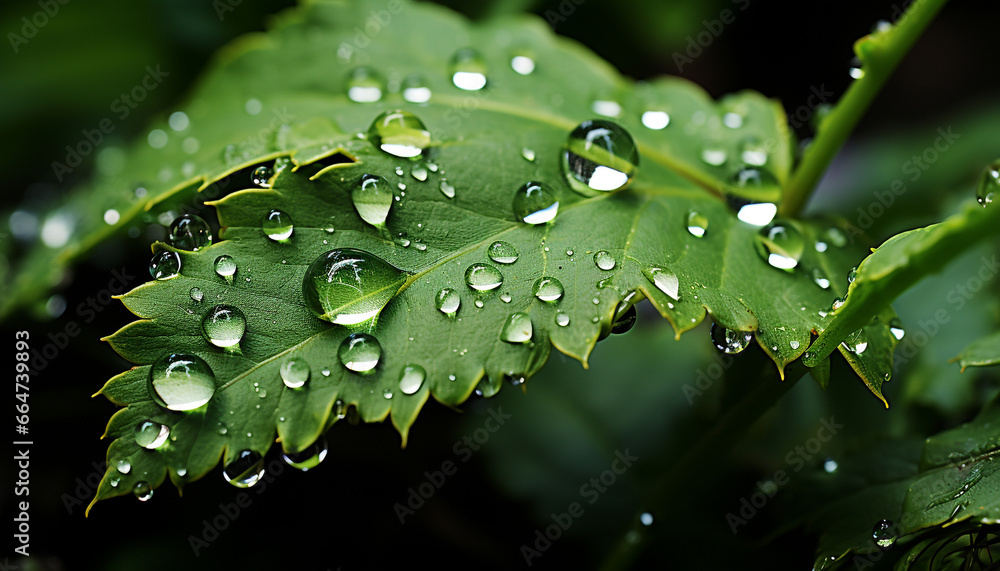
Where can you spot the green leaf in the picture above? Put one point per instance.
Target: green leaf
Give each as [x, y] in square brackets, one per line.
[481, 146]
[981, 352]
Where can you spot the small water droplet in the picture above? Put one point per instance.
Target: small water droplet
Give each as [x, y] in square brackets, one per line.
[989, 184]
[535, 203]
[547, 289]
[483, 277]
[781, 244]
[528, 154]
[646, 519]
[830, 466]
[562, 320]
[479, 303]
[165, 265]
[753, 152]
[664, 281]
[599, 156]
[261, 176]
[124, 466]
[277, 225]
[294, 372]
[503, 252]
[606, 107]
[151, 435]
[222, 429]
[178, 381]
[224, 326]
[349, 286]
[245, 470]
[399, 133]
[655, 120]
[896, 328]
[189, 232]
[604, 260]
[360, 352]
[697, 224]
[468, 70]
[522, 64]
[415, 89]
[309, 458]
[624, 322]
[856, 342]
[448, 301]
[714, 153]
[517, 328]
[856, 71]
[729, 341]
[411, 378]
[884, 533]
[372, 198]
[225, 267]
[820, 279]
[365, 85]
[142, 491]
[793, 344]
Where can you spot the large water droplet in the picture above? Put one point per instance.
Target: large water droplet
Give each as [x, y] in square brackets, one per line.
[165, 265]
[245, 470]
[448, 301]
[856, 342]
[124, 466]
[781, 244]
[309, 458]
[729, 341]
[142, 491]
[697, 224]
[277, 225]
[447, 189]
[415, 89]
[483, 277]
[604, 260]
[664, 281]
[372, 198]
[190, 232]
[989, 184]
[294, 372]
[884, 533]
[360, 352]
[399, 133]
[348, 286]
[517, 328]
[468, 70]
[599, 157]
[151, 435]
[547, 289]
[225, 267]
[224, 326]
[365, 85]
[181, 382]
[411, 379]
[535, 203]
[503, 252]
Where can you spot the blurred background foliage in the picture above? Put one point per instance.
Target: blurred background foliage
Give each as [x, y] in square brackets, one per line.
[566, 428]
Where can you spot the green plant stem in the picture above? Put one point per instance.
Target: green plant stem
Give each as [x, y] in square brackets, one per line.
[703, 456]
[880, 53]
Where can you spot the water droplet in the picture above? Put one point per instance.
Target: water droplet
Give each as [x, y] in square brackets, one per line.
[415, 89]
[261, 176]
[522, 64]
[562, 320]
[517, 328]
[535, 203]
[697, 224]
[502, 252]
[360, 352]
[339, 409]
[856, 342]
[309, 458]
[483, 277]
[277, 225]
[419, 172]
[372, 198]
[896, 328]
[225, 267]
[884, 533]
[468, 70]
[348, 286]
[732, 120]
[753, 152]
[294, 372]
[224, 326]
[365, 85]
[547, 289]
[655, 120]
[190, 232]
[447, 189]
[488, 387]
[793, 344]
[142, 490]
[448, 301]
[165, 265]
[181, 382]
[820, 279]
[646, 519]
[505, 297]
[606, 107]
[151, 435]
[124, 466]
[604, 260]
[624, 322]
[714, 154]
[989, 184]
[755, 213]
[856, 70]
[729, 341]
[114, 481]
[399, 133]
[479, 303]
[222, 429]
[528, 154]
[411, 379]
[599, 156]
[820, 247]
[245, 470]
[830, 466]
[664, 281]
[781, 244]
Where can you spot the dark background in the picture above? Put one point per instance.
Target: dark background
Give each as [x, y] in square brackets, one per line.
[340, 515]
